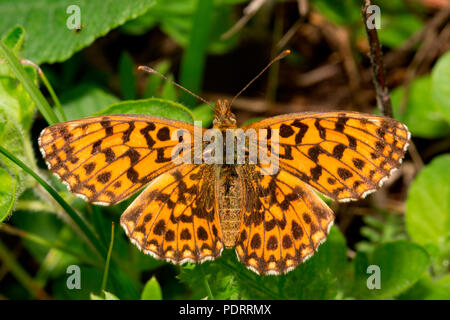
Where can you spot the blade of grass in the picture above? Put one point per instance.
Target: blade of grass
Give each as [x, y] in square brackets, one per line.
[77, 219]
[98, 223]
[126, 77]
[32, 89]
[53, 95]
[108, 259]
[193, 62]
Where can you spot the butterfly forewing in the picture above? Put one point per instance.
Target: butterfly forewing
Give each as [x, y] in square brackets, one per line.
[343, 155]
[106, 159]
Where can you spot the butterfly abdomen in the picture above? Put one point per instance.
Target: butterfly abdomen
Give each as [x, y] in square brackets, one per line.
[228, 190]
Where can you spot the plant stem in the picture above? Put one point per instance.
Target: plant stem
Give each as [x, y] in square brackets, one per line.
[376, 60]
[108, 259]
[48, 86]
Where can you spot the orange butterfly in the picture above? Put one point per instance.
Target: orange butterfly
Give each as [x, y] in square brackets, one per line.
[190, 212]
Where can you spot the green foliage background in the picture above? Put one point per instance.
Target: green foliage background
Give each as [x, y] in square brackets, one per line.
[57, 230]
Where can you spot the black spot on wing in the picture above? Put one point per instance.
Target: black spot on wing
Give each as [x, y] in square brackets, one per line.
[127, 133]
[286, 131]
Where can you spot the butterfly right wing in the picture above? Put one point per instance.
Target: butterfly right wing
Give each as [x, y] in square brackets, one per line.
[106, 159]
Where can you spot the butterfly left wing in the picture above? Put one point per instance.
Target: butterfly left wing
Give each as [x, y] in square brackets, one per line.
[343, 155]
[283, 221]
[106, 159]
[175, 217]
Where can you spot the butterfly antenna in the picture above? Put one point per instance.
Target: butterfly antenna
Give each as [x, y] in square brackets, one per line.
[278, 57]
[153, 71]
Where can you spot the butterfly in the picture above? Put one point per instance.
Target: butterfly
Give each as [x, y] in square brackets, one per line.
[190, 212]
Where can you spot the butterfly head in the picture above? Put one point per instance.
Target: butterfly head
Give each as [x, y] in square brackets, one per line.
[223, 117]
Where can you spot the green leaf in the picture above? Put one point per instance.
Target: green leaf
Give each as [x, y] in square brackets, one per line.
[174, 18]
[427, 205]
[12, 138]
[401, 264]
[381, 228]
[205, 114]
[13, 98]
[93, 296]
[15, 101]
[46, 21]
[429, 289]
[422, 116]
[84, 100]
[212, 280]
[428, 209]
[8, 192]
[153, 106]
[152, 290]
[440, 85]
[440, 289]
[106, 296]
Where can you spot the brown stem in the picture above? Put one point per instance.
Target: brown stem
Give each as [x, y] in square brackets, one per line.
[376, 59]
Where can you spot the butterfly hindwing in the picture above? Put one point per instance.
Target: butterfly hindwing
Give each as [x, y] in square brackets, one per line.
[343, 155]
[175, 218]
[283, 221]
[106, 159]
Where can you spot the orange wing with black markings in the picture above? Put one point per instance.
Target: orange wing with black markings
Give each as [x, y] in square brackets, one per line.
[106, 159]
[343, 155]
[283, 221]
[175, 218]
